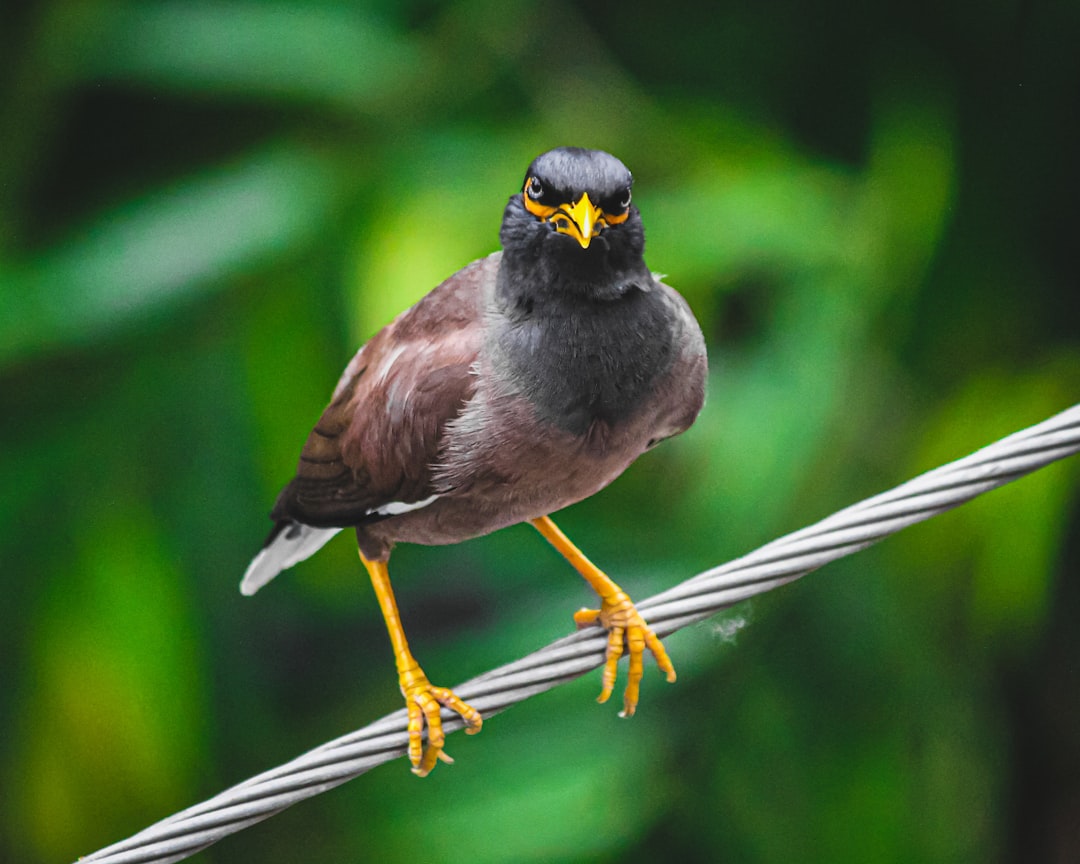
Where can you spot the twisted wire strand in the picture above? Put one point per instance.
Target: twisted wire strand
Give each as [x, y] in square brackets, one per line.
[777, 563]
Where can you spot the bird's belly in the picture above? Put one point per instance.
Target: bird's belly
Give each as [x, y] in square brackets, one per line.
[490, 483]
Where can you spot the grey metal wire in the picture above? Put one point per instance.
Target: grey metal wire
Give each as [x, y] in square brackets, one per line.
[775, 564]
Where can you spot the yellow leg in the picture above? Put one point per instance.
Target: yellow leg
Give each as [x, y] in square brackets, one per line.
[618, 615]
[421, 698]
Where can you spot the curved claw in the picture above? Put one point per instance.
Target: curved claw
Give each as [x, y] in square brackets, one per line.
[424, 702]
[618, 615]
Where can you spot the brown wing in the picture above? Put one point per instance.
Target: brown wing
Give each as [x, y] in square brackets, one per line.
[377, 441]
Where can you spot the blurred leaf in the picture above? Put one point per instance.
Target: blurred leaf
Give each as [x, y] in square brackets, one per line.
[760, 214]
[1002, 547]
[908, 195]
[115, 663]
[332, 53]
[147, 255]
[425, 225]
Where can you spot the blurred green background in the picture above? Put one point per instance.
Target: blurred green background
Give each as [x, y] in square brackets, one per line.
[206, 207]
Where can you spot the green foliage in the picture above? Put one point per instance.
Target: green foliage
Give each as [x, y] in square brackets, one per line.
[205, 208]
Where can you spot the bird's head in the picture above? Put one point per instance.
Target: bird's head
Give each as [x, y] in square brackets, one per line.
[575, 205]
[579, 193]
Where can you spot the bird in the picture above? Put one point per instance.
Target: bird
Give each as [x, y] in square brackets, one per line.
[527, 381]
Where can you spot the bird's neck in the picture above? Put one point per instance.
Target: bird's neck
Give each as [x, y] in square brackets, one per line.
[568, 279]
[580, 353]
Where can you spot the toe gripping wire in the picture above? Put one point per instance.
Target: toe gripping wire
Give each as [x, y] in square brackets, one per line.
[618, 616]
[423, 702]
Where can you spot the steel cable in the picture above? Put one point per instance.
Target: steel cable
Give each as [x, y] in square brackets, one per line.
[775, 564]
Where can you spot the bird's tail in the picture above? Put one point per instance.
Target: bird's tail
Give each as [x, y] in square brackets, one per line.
[288, 544]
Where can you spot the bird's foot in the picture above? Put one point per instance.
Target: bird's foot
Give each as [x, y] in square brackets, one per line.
[423, 701]
[618, 615]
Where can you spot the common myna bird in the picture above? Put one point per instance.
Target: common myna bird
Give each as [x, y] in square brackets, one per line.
[523, 383]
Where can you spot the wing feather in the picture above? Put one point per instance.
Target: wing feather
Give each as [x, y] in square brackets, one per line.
[375, 445]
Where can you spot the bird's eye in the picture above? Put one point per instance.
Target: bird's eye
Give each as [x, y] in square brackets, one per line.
[624, 202]
[534, 189]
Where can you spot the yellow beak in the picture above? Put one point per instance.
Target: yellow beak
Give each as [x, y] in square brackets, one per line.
[579, 220]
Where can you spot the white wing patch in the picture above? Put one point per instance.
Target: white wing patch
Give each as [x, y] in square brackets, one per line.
[396, 508]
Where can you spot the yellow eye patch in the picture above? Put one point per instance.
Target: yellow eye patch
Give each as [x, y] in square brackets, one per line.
[582, 220]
